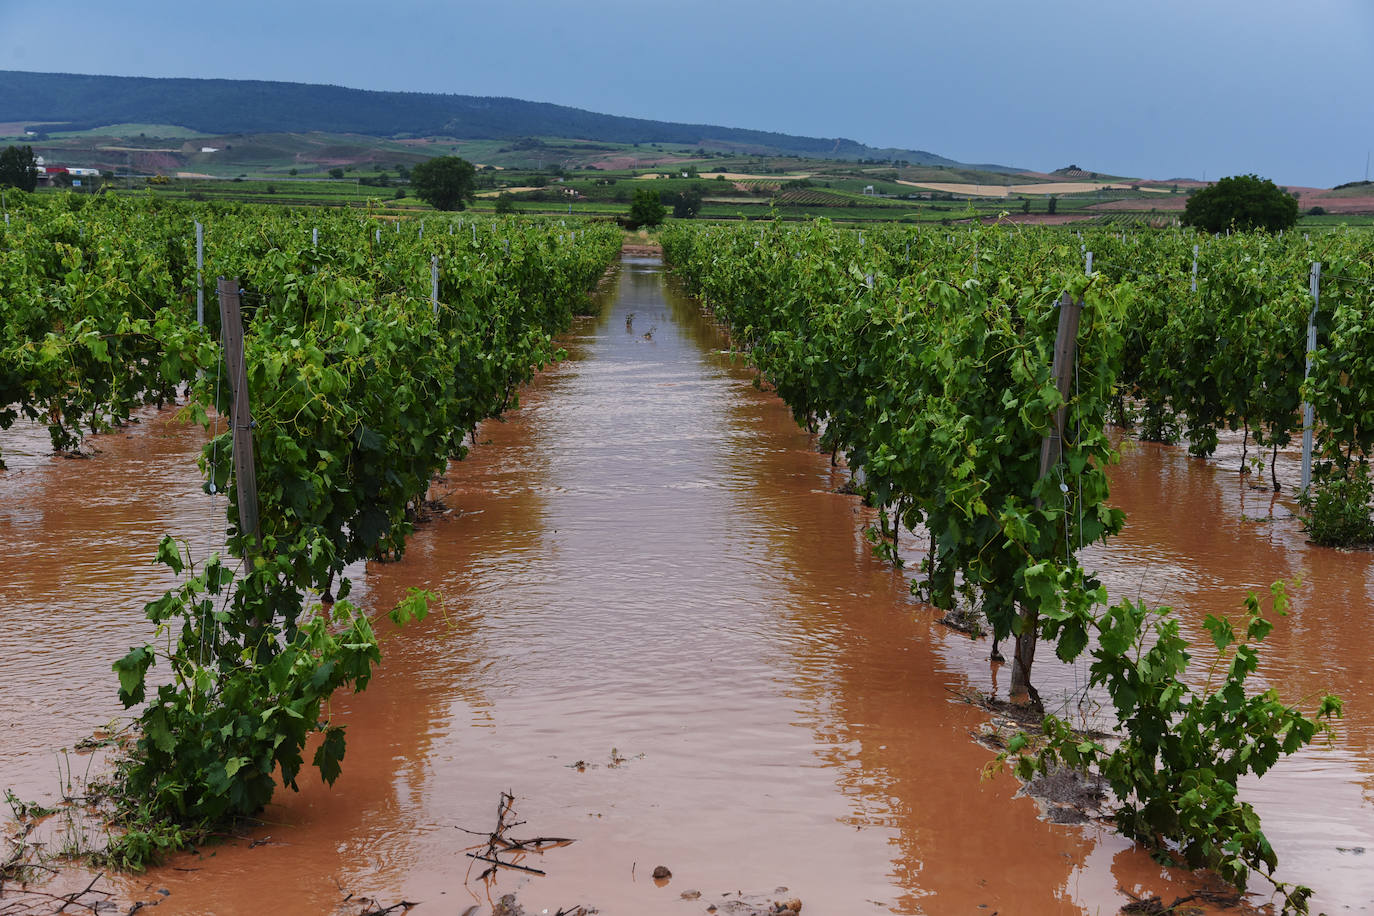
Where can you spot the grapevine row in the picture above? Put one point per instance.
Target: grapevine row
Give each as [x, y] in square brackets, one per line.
[363, 385]
[925, 359]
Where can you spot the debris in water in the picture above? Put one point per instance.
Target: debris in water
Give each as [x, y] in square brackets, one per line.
[742, 904]
[618, 758]
[373, 908]
[498, 842]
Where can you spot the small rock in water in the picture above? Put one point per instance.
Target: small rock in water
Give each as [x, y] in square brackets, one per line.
[661, 871]
[690, 895]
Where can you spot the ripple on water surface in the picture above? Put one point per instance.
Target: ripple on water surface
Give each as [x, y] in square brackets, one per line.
[649, 557]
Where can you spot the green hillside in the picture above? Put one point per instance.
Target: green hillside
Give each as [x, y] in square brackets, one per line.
[67, 102]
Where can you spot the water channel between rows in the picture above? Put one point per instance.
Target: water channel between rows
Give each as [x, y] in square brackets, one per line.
[646, 569]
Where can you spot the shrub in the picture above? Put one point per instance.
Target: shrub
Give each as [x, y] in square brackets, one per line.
[1338, 510]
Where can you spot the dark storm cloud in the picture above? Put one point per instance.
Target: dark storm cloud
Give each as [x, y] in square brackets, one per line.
[1157, 90]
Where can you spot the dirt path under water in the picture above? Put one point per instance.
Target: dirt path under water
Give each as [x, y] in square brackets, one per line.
[646, 570]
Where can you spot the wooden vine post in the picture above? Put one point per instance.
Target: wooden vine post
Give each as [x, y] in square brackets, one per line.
[1051, 453]
[240, 418]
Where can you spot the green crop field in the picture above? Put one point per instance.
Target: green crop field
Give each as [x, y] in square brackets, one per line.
[600, 179]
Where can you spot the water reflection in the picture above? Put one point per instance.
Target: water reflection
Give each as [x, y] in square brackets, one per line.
[646, 570]
[77, 540]
[1241, 539]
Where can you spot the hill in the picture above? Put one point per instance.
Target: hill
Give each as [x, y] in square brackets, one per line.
[73, 102]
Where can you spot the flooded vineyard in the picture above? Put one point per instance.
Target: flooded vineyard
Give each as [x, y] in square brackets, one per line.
[662, 629]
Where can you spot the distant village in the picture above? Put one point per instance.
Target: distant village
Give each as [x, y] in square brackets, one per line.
[47, 174]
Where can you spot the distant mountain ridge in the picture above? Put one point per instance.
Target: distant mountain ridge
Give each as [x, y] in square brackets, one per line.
[218, 106]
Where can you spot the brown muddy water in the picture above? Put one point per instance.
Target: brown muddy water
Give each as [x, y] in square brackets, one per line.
[646, 570]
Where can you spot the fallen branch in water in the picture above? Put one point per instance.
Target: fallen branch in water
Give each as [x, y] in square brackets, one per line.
[403, 906]
[76, 898]
[498, 841]
[371, 906]
[493, 861]
[537, 843]
[72, 899]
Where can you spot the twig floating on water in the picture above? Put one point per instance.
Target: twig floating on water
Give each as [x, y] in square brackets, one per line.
[493, 861]
[403, 906]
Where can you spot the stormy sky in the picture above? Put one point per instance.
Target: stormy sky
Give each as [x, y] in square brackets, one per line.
[1157, 90]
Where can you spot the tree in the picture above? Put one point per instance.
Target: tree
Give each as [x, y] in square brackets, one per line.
[1053, 205]
[505, 203]
[336, 173]
[18, 168]
[445, 183]
[647, 209]
[1241, 202]
[687, 204]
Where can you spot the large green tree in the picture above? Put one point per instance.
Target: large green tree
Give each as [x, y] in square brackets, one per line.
[1241, 202]
[18, 168]
[687, 204]
[647, 209]
[445, 183]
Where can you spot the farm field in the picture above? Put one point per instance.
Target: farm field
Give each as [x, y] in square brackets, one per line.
[835, 199]
[658, 566]
[547, 174]
[1048, 187]
[797, 690]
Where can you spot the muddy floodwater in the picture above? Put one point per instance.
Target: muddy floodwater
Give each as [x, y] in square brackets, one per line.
[662, 630]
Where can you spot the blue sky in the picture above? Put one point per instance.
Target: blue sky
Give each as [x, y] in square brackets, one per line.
[1158, 90]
